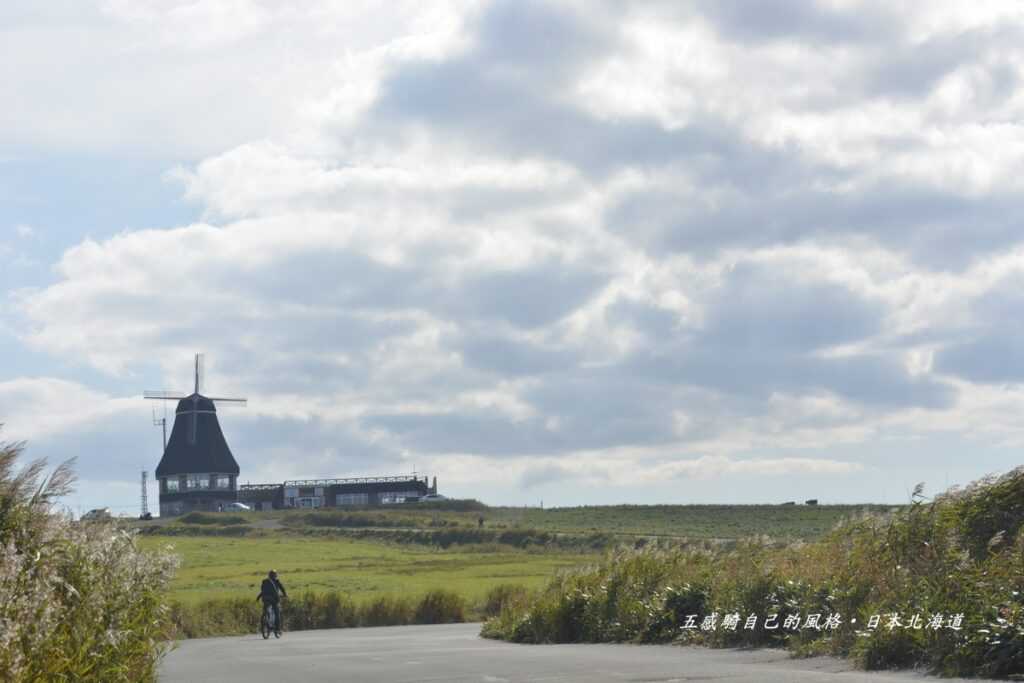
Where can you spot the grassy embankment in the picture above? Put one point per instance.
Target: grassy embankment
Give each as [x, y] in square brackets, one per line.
[961, 554]
[697, 522]
[593, 527]
[377, 566]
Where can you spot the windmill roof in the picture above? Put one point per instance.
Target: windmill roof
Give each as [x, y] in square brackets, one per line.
[207, 452]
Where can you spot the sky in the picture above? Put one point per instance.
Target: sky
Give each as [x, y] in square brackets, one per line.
[571, 252]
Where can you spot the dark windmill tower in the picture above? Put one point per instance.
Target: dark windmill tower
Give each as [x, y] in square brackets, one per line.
[197, 470]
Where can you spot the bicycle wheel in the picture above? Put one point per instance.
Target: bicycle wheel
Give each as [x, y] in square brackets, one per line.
[264, 626]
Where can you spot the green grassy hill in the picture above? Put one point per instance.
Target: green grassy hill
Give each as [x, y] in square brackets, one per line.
[409, 550]
[723, 522]
[688, 521]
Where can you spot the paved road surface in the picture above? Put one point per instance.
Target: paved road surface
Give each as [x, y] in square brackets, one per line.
[455, 653]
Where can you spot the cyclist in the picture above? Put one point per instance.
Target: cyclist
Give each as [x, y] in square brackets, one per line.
[271, 591]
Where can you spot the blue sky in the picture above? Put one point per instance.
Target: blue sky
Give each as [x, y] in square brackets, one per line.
[578, 252]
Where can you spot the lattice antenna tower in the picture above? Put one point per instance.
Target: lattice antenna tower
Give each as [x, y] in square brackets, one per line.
[162, 423]
[145, 498]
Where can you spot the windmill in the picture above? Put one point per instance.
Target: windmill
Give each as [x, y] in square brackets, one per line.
[197, 470]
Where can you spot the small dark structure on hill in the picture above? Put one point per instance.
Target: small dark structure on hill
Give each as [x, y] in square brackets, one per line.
[197, 470]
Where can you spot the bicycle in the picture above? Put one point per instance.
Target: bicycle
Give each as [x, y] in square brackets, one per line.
[268, 623]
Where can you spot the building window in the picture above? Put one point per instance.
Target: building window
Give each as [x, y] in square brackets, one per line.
[352, 499]
[223, 482]
[198, 481]
[170, 509]
[394, 497]
[171, 485]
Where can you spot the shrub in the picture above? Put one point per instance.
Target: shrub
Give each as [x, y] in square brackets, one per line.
[312, 610]
[197, 530]
[454, 505]
[671, 608]
[448, 537]
[217, 617]
[386, 610]
[926, 559]
[504, 595]
[321, 610]
[220, 519]
[354, 520]
[440, 607]
[991, 506]
[77, 601]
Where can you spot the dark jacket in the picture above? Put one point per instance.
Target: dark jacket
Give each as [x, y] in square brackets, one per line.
[271, 590]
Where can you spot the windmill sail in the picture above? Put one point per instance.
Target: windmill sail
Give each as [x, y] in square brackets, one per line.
[196, 444]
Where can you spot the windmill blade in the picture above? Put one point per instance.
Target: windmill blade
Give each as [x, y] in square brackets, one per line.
[200, 373]
[164, 395]
[232, 402]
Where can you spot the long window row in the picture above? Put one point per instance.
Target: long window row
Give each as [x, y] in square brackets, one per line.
[341, 499]
[197, 482]
[393, 497]
[352, 499]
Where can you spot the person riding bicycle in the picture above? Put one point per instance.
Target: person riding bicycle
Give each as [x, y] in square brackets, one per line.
[271, 591]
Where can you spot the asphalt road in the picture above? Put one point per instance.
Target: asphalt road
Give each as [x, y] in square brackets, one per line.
[456, 653]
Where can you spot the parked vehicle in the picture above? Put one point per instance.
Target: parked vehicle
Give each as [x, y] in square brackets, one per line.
[432, 498]
[96, 514]
[237, 507]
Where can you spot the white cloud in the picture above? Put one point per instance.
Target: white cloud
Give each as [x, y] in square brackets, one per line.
[632, 472]
[647, 245]
[35, 408]
[185, 79]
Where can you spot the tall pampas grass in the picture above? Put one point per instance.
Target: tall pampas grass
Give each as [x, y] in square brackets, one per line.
[77, 601]
[950, 570]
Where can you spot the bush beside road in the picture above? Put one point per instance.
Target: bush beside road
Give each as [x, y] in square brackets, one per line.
[938, 584]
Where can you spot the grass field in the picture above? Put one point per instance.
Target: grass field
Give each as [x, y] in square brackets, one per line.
[216, 567]
[686, 521]
[784, 522]
[229, 566]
